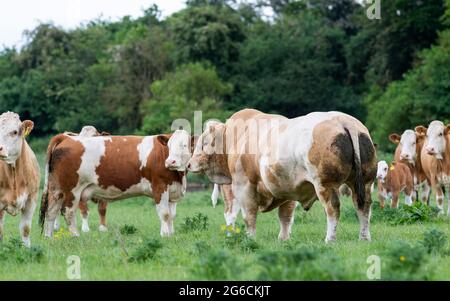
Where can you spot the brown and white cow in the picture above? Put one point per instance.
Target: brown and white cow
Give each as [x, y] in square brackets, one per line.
[89, 131]
[409, 148]
[435, 157]
[19, 173]
[114, 168]
[269, 160]
[392, 180]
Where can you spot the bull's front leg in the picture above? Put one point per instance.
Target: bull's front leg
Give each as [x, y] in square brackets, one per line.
[286, 217]
[243, 198]
[2, 221]
[25, 221]
[164, 214]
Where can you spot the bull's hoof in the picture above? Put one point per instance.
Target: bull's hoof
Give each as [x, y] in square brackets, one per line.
[330, 240]
[85, 228]
[102, 228]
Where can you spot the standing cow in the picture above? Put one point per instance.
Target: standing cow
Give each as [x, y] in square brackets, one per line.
[19, 173]
[114, 168]
[436, 159]
[392, 180]
[409, 148]
[269, 160]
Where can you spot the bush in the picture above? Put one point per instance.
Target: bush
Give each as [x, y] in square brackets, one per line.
[235, 237]
[15, 251]
[199, 222]
[146, 251]
[434, 241]
[405, 262]
[128, 229]
[218, 265]
[418, 212]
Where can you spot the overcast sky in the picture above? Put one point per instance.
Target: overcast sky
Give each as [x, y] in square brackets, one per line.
[19, 15]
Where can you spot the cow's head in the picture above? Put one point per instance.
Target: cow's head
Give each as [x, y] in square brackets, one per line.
[436, 139]
[179, 145]
[208, 153]
[382, 171]
[407, 143]
[12, 134]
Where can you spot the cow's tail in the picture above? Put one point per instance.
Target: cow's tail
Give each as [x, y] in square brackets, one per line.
[215, 195]
[359, 184]
[44, 199]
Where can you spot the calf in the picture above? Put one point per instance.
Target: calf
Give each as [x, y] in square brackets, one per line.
[409, 147]
[114, 168]
[393, 180]
[19, 173]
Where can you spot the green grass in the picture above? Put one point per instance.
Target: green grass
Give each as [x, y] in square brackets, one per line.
[201, 253]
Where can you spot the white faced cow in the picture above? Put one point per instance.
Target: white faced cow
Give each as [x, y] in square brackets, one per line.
[269, 160]
[409, 148]
[19, 173]
[436, 159]
[114, 168]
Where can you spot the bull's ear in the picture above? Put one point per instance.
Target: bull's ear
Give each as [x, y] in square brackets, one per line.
[420, 130]
[105, 134]
[27, 127]
[375, 145]
[395, 138]
[193, 140]
[163, 139]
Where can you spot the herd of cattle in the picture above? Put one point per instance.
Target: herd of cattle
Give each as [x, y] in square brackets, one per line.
[259, 161]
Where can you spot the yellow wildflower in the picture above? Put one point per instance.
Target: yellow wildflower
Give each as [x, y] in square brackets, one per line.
[402, 258]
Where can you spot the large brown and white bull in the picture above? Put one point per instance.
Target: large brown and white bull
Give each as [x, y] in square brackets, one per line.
[269, 160]
[19, 173]
[408, 150]
[113, 168]
[436, 159]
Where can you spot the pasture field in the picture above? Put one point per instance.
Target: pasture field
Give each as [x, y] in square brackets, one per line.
[201, 250]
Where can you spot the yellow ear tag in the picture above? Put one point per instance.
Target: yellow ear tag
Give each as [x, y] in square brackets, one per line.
[392, 167]
[26, 133]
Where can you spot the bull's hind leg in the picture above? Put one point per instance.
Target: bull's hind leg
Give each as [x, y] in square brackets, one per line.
[286, 217]
[102, 205]
[364, 213]
[330, 201]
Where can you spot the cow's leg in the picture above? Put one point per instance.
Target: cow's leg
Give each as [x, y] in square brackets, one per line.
[53, 211]
[232, 212]
[394, 203]
[409, 193]
[25, 221]
[286, 217]
[381, 197]
[329, 199]
[72, 201]
[102, 205]
[2, 221]
[56, 224]
[425, 195]
[364, 213]
[84, 209]
[173, 213]
[440, 198]
[163, 209]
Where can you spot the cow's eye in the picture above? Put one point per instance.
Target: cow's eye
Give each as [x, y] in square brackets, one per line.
[385, 168]
[14, 133]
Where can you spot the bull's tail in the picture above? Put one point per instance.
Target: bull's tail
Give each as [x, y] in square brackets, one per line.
[215, 195]
[44, 200]
[359, 184]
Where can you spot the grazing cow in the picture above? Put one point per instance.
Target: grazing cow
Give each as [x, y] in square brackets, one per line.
[114, 168]
[409, 147]
[392, 180]
[89, 131]
[269, 160]
[19, 173]
[435, 157]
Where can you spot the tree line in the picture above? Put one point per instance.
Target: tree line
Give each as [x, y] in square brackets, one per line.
[219, 56]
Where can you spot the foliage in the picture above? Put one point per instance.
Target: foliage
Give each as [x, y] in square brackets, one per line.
[217, 265]
[235, 237]
[417, 213]
[15, 251]
[406, 262]
[128, 229]
[434, 241]
[146, 251]
[199, 222]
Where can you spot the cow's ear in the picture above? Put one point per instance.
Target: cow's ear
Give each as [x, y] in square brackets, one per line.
[27, 127]
[105, 134]
[394, 138]
[447, 129]
[163, 139]
[420, 130]
[193, 140]
[375, 145]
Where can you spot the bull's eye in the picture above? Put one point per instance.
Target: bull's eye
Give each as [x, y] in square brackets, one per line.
[440, 135]
[385, 169]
